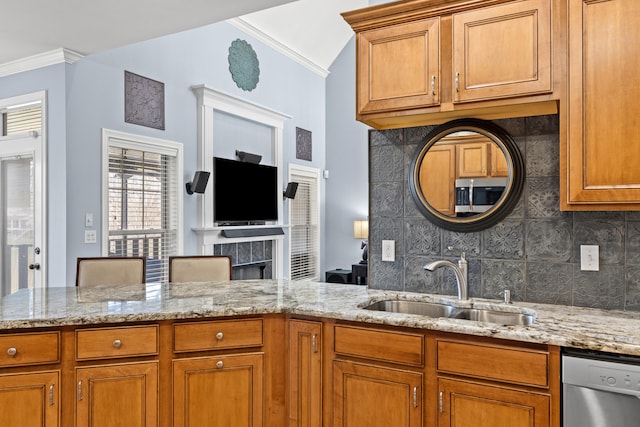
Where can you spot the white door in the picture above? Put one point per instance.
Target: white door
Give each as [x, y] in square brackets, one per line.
[21, 198]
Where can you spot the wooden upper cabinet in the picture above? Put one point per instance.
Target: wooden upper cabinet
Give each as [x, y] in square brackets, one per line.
[398, 66]
[473, 159]
[600, 155]
[425, 62]
[438, 177]
[502, 51]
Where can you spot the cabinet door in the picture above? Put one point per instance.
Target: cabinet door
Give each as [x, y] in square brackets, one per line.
[30, 400]
[305, 374]
[472, 160]
[603, 145]
[122, 395]
[469, 404]
[502, 51]
[499, 166]
[372, 396]
[398, 66]
[438, 176]
[218, 391]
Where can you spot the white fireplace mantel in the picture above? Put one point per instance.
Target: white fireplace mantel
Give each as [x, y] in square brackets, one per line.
[209, 103]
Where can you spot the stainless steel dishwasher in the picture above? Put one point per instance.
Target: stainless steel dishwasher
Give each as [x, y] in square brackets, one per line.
[600, 390]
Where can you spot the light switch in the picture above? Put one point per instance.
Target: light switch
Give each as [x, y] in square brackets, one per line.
[589, 258]
[88, 220]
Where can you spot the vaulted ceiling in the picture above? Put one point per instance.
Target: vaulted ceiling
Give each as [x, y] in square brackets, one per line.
[312, 29]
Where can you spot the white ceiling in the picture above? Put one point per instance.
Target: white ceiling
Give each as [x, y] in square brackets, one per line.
[313, 29]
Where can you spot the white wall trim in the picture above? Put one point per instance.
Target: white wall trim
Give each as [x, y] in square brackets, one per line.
[39, 60]
[249, 29]
[209, 103]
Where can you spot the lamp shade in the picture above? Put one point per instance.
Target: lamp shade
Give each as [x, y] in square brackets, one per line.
[361, 229]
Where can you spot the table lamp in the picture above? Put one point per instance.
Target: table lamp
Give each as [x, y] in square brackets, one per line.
[361, 231]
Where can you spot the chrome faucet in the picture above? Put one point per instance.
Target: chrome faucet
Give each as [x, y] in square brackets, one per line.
[460, 270]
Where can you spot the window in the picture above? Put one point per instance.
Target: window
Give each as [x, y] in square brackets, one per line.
[304, 215]
[22, 118]
[143, 203]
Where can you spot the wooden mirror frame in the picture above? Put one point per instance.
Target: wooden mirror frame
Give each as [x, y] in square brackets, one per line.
[508, 200]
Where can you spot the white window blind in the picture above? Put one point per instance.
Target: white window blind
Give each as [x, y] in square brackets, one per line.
[22, 120]
[305, 230]
[142, 207]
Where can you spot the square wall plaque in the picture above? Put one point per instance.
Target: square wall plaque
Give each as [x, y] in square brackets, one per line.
[303, 144]
[143, 101]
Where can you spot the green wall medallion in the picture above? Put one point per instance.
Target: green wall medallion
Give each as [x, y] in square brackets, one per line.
[243, 65]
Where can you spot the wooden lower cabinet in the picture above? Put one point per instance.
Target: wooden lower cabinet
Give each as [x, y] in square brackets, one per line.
[218, 391]
[30, 399]
[470, 404]
[117, 395]
[376, 396]
[305, 373]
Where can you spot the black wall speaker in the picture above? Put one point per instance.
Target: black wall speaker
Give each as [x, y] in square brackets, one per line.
[338, 276]
[199, 182]
[290, 191]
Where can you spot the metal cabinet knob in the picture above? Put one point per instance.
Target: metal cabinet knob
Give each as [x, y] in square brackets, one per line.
[219, 336]
[12, 351]
[219, 364]
[117, 343]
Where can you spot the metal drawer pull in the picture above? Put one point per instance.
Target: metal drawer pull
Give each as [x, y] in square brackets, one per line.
[219, 336]
[219, 364]
[415, 396]
[51, 401]
[457, 82]
[433, 85]
[12, 351]
[117, 343]
[80, 390]
[440, 401]
[314, 343]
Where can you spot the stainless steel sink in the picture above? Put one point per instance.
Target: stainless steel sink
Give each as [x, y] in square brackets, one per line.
[413, 307]
[431, 309]
[494, 316]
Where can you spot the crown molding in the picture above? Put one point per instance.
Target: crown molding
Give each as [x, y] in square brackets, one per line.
[39, 60]
[244, 26]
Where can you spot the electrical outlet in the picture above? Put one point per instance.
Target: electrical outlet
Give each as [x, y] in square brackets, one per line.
[90, 236]
[589, 258]
[389, 250]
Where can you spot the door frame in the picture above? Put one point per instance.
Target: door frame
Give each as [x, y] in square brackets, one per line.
[39, 152]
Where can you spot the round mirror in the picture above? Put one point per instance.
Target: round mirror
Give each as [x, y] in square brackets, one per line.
[467, 175]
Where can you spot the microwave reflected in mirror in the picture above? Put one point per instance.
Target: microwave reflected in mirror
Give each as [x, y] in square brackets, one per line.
[464, 173]
[467, 175]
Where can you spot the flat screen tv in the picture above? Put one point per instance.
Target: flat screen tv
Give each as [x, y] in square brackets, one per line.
[244, 193]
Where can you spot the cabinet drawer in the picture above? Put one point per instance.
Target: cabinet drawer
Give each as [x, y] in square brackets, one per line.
[116, 342]
[219, 334]
[29, 349]
[388, 346]
[512, 365]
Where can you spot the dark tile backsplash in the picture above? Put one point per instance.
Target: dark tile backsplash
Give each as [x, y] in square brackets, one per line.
[534, 252]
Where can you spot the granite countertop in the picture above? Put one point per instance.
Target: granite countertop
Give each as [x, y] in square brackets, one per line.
[604, 330]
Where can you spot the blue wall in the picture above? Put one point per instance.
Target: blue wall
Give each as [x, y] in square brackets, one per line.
[347, 160]
[52, 80]
[89, 95]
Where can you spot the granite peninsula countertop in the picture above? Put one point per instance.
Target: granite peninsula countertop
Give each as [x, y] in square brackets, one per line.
[604, 330]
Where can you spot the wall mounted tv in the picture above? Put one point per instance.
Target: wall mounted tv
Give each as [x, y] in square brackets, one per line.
[244, 193]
